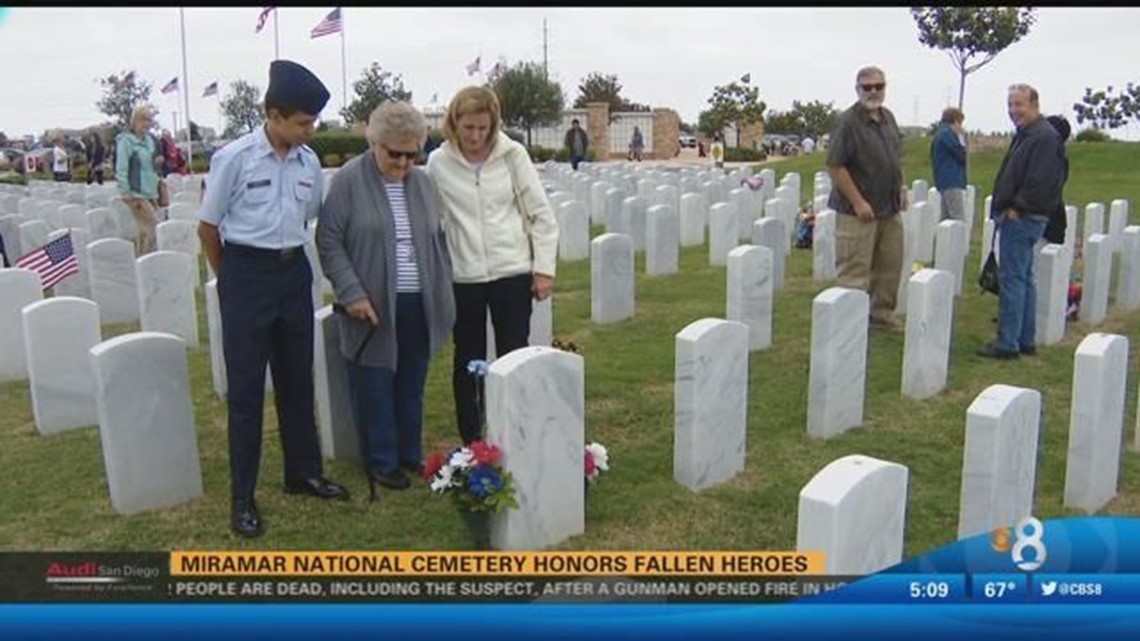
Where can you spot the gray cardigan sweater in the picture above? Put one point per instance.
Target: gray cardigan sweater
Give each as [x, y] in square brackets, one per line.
[356, 240]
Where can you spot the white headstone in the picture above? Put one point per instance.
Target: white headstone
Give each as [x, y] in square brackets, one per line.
[10, 231]
[33, 235]
[599, 208]
[926, 224]
[710, 402]
[214, 327]
[749, 296]
[76, 284]
[58, 332]
[1052, 293]
[18, 287]
[770, 233]
[103, 223]
[823, 246]
[633, 220]
[919, 189]
[1128, 283]
[573, 231]
[929, 320]
[166, 296]
[694, 212]
[1094, 219]
[722, 232]
[744, 215]
[1095, 285]
[114, 283]
[662, 239]
[611, 278]
[336, 424]
[854, 511]
[950, 250]
[614, 199]
[539, 386]
[1096, 421]
[1117, 221]
[999, 462]
[838, 361]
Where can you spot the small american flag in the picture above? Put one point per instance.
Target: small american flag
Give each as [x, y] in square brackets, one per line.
[330, 25]
[211, 90]
[473, 68]
[171, 86]
[262, 17]
[53, 262]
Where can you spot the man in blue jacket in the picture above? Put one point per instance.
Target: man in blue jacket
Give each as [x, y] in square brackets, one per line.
[948, 157]
[1026, 192]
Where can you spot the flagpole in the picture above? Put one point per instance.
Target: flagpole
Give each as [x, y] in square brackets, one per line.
[343, 67]
[186, 93]
[276, 49]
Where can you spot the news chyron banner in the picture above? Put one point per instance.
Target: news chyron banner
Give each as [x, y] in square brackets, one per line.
[1078, 561]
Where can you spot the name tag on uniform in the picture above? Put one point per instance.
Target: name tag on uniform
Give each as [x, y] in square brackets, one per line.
[258, 183]
[305, 183]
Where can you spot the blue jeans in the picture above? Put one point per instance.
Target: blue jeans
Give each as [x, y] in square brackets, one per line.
[1017, 303]
[387, 405]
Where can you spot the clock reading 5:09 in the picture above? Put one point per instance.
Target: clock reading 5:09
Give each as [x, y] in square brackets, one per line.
[929, 589]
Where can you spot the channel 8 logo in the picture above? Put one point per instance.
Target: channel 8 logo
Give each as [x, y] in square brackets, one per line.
[1027, 537]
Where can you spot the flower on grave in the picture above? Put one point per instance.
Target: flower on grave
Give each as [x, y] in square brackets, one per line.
[473, 477]
[477, 367]
[566, 345]
[597, 460]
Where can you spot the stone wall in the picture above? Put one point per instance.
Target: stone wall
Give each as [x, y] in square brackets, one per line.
[598, 129]
[666, 132]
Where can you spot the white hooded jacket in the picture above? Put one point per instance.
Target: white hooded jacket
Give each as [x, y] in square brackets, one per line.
[485, 231]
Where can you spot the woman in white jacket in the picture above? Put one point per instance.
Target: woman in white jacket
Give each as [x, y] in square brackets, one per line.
[502, 237]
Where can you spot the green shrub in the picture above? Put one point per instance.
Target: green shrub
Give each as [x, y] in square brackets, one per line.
[331, 160]
[743, 154]
[1093, 135]
[542, 154]
[338, 143]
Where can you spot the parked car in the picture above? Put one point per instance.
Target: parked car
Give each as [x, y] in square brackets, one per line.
[687, 141]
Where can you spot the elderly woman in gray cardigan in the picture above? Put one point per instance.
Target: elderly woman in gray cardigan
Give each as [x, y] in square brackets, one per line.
[382, 246]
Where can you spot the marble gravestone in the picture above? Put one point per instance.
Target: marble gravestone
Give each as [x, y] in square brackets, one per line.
[838, 361]
[1128, 283]
[182, 236]
[722, 232]
[573, 231]
[58, 332]
[18, 287]
[929, 320]
[770, 233]
[823, 246]
[749, 296]
[114, 282]
[214, 330]
[1117, 221]
[611, 278]
[1095, 285]
[536, 414]
[150, 449]
[662, 239]
[854, 511]
[1096, 421]
[166, 296]
[1094, 220]
[336, 425]
[77, 284]
[633, 220]
[710, 402]
[1052, 293]
[950, 250]
[999, 462]
[694, 212]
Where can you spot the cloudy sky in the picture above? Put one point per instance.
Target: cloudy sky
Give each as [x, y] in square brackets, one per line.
[663, 57]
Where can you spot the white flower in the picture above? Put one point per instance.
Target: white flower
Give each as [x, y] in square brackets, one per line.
[601, 457]
[442, 479]
[462, 459]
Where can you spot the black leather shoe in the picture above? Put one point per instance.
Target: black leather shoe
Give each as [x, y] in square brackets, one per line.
[991, 351]
[413, 468]
[394, 480]
[244, 519]
[1029, 351]
[319, 487]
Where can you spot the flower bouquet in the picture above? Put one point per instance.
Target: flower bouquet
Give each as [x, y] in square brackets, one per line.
[597, 461]
[477, 484]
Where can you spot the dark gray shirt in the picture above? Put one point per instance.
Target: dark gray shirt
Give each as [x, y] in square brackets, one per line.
[872, 153]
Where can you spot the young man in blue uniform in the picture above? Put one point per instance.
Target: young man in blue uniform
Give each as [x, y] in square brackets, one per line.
[264, 188]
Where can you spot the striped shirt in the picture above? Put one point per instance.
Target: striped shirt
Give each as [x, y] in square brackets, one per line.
[407, 273]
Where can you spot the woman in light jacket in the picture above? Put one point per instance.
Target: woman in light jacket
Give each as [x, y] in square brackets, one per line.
[136, 176]
[381, 245]
[488, 184]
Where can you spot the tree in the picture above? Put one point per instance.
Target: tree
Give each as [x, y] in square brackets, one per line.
[733, 104]
[605, 88]
[3, 139]
[781, 122]
[121, 94]
[528, 99]
[966, 32]
[373, 88]
[814, 118]
[1103, 110]
[242, 109]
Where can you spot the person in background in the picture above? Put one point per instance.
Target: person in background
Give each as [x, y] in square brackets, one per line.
[576, 143]
[865, 163]
[636, 144]
[948, 159]
[808, 145]
[96, 157]
[1026, 193]
[382, 246]
[501, 233]
[136, 175]
[61, 162]
[264, 188]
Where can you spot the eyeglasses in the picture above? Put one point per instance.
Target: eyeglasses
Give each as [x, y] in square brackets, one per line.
[396, 155]
[878, 86]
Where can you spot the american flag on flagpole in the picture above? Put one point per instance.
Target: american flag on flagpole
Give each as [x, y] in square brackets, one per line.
[129, 78]
[330, 25]
[53, 262]
[262, 17]
[473, 68]
[211, 89]
[171, 86]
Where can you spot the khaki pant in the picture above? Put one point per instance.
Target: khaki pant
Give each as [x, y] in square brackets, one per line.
[868, 257]
[146, 219]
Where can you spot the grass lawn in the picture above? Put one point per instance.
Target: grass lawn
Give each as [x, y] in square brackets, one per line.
[54, 494]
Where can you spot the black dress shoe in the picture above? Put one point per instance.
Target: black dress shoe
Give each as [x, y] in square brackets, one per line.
[991, 351]
[244, 519]
[1029, 351]
[394, 480]
[413, 468]
[319, 487]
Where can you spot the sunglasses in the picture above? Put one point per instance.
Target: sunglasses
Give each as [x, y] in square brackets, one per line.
[878, 86]
[396, 155]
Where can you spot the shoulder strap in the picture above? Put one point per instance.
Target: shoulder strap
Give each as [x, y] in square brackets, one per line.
[520, 203]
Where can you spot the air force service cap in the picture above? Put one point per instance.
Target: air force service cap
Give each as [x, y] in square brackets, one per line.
[293, 86]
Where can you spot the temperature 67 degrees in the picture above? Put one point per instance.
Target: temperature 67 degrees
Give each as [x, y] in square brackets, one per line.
[997, 589]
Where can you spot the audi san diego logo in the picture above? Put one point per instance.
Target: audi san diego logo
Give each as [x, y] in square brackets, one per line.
[95, 575]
